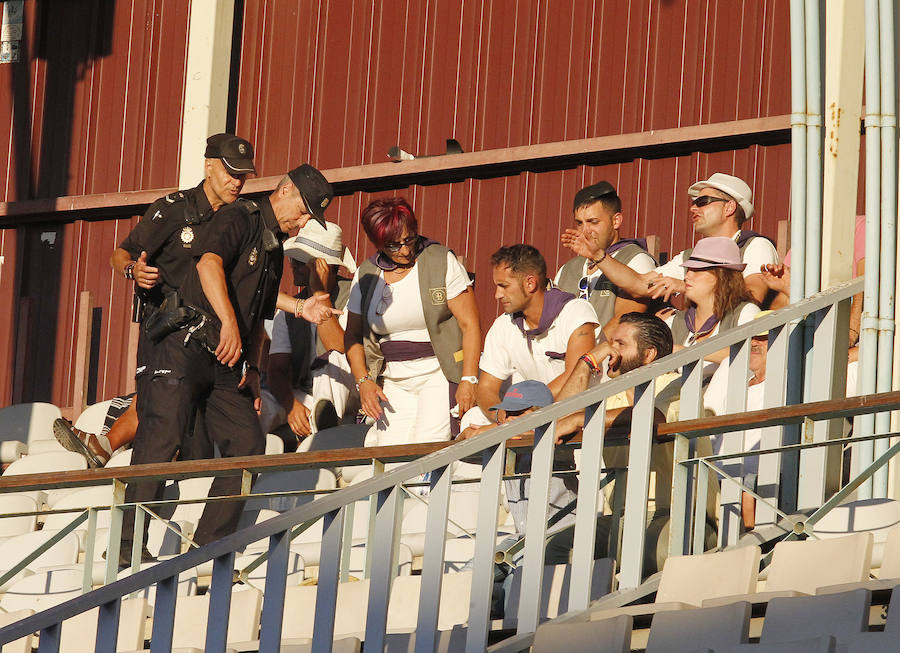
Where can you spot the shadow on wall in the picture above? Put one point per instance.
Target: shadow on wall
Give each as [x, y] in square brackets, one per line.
[60, 41]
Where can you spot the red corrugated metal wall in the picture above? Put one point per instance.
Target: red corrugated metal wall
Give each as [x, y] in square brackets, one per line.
[342, 81]
[96, 107]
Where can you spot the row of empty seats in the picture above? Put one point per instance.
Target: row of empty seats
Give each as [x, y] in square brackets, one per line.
[799, 624]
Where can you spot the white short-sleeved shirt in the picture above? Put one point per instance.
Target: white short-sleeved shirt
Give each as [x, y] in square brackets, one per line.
[396, 313]
[758, 252]
[640, 263]
[508, 353]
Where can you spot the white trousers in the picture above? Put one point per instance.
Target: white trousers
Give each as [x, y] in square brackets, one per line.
[417, 410]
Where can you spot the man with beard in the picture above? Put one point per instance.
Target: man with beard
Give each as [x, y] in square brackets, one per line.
[638, 340]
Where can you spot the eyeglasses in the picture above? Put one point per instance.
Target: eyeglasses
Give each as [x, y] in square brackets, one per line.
[584, 288]
[409, 241]
[702, 200]
[386, 296]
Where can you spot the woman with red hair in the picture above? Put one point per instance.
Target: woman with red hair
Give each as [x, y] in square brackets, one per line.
[413, 336]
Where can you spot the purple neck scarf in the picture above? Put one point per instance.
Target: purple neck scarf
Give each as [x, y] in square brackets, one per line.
[554, 300]
[690, 317]
[619, 244]
[387, 264]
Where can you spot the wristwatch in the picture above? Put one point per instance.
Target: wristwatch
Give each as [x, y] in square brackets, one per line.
[470, 379]
[129, 271]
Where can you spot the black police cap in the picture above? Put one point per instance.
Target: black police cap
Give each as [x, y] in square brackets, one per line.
[315, 190]
[592, 193]
[236, 153]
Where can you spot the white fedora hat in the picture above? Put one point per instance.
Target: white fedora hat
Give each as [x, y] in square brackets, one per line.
[316, 241]
[730, 185]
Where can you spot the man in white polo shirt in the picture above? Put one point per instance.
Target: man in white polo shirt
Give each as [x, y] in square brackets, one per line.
[719, 207]
[540, 337]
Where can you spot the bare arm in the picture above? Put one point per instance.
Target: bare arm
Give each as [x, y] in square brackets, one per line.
[757, 288]
[279, 378]
[211, 271]
[488, 394]
[585, 244]
[370, 394]
[321, 278]
[465, 310]
[580, 342]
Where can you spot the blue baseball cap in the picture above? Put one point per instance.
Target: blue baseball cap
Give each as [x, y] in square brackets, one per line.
[524, 395]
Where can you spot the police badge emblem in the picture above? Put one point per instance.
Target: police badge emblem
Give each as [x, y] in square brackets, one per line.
[254, 256]
[187, 236]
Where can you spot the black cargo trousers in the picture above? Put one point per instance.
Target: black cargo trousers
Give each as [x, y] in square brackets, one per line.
[187, 380]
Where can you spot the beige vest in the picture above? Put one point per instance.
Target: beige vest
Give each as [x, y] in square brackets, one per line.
[443, 329]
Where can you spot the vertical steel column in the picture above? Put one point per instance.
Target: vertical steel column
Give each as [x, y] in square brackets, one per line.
[635, 527]
[536, 528]
[587, 509]
[485, 543]
[115, 531]
[164, 615]
[273, 599]
[820, 468]
[888, 229]
[863, 452]
[387, 522]
[690, 401]
[433, 560]
[774, 394]
[327, 590]
[733, 442]
[50, 638]
[108, 627]
[220, 601]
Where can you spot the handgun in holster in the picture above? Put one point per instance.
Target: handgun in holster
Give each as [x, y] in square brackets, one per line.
[170, 317]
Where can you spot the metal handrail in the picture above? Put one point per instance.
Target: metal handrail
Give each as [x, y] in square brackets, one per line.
[490, 444]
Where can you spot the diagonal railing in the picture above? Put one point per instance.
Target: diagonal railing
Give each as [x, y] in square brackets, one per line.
[823, 312]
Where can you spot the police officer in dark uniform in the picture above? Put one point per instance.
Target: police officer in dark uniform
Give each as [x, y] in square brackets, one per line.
[209, 364]
[159, 252]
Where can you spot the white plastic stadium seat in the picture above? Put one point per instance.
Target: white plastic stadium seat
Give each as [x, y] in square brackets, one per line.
[56, 461]
[64, 552]
[192, 613]
[41, 591]
[93, 418]
[13, 503]
[28, 422]
[81, 498]
[80, 632]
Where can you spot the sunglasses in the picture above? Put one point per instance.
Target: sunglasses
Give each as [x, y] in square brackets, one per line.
[409, 241]
[386, 296]
[702, 200]
[584, 288]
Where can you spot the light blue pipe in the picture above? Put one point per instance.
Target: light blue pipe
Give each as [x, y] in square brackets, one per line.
[868, 337]
[888, 267]
[798, 153]
[814, 146]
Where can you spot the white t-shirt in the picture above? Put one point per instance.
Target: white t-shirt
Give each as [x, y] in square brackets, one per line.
[508, 353]
[758, 252]
[640, 263]
[395, 313]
